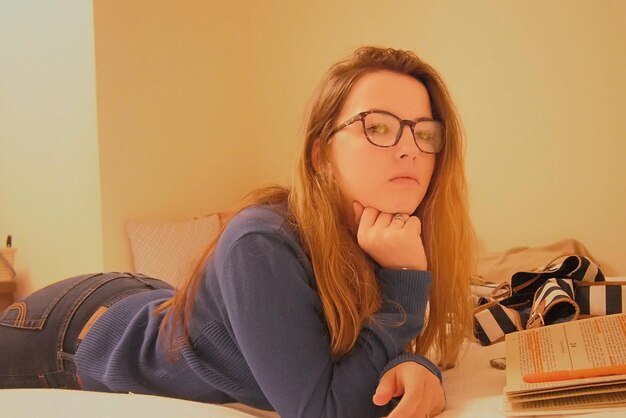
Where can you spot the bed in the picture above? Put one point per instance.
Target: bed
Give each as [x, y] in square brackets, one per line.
[169, 251]
[473, 389]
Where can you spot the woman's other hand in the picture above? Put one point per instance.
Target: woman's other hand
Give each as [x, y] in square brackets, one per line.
[421, 391]
[391, 241]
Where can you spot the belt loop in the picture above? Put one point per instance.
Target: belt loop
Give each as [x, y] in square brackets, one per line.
[142, 279]
[62, 355]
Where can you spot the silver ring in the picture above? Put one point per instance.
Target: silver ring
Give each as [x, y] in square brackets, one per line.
[399, 217]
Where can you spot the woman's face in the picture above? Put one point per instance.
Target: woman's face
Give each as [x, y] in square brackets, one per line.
[394, 179]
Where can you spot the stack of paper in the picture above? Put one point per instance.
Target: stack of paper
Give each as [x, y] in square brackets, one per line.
[582, 347]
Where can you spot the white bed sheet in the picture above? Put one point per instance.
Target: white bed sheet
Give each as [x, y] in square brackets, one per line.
[473, 390]
[59, 403]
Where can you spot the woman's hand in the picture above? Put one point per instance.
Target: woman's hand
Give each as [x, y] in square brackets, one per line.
[421, 391]
[392, 242]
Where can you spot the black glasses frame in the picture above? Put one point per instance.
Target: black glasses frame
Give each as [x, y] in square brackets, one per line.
[403, 122]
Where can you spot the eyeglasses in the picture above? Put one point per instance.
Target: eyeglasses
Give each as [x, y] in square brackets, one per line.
[384, 129]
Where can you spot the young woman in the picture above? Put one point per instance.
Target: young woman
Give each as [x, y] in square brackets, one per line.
[321, 300]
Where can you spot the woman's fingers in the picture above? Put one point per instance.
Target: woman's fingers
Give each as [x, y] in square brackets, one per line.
[369, 216]
[358, 211]
[422, 393]
[393, 240]
[414, 223]
[383, 220]
[412, 403]
[398, 220]
[386, 389]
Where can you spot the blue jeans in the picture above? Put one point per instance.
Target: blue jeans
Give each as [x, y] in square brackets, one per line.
[39, 335]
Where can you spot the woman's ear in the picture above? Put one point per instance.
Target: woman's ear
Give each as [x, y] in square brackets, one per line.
[316, 155]
[319, 159]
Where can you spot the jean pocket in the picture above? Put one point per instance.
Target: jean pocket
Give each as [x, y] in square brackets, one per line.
[34, 310]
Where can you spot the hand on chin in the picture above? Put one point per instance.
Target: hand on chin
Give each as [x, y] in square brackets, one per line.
[392, 239]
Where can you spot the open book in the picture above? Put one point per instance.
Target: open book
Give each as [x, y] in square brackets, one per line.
[577, 345]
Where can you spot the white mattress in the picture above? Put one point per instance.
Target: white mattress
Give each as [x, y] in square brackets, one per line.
[473, 389]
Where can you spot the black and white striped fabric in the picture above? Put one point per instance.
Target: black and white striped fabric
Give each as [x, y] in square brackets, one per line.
[602, 298]
[553, 303]
[566, 288]
[493, 321]
[573, 267]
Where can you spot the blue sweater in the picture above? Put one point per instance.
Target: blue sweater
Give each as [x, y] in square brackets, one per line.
[257, 332]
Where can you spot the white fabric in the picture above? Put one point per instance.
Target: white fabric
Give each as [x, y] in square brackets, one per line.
[597, 300]
[591, 273]
[557, 293]
[59, 403]
[474, 389]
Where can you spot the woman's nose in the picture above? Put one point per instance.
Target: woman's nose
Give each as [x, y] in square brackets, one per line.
[406, 146]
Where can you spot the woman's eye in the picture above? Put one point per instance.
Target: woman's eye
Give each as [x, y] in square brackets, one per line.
[378, 129]
[424, 135]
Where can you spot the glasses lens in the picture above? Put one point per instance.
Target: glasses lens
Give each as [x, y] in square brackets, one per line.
[381, 129]
[429, 136]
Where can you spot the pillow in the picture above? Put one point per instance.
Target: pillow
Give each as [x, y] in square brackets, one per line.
[170, 251]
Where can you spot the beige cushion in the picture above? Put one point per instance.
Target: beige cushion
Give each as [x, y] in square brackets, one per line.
[170, 250]
[498, 267]
[7, 272]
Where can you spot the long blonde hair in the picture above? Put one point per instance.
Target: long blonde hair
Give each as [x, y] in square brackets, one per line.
[348, 289]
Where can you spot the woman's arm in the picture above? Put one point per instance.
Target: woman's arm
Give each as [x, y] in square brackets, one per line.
[275, 315]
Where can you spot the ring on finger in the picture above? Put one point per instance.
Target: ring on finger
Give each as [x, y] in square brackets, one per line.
[399, 217]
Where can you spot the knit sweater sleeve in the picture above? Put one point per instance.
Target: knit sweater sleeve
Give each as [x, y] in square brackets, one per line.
[276, 318]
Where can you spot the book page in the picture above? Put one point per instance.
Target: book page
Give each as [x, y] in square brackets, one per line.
[610, 404]
[593, 342]
[597, 342]
[569, 392]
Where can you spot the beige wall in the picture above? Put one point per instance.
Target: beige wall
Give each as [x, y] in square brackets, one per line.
[199, 101]
[49, 175]
[174, 92]
[540, 85]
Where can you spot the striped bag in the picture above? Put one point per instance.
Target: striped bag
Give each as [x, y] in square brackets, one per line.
[546, 296]
[601, 298]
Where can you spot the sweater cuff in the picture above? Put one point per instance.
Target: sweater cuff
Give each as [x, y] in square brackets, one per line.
[421, 360]
[407, 288]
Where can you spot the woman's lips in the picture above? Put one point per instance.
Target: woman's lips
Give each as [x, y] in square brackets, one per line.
[404, 180]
